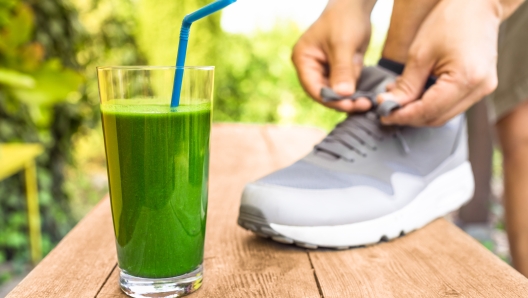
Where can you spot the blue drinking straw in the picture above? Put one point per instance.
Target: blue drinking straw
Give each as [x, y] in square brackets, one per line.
[184, 37]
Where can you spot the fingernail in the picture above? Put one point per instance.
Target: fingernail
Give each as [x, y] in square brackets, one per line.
[344, 88]
[384, 97]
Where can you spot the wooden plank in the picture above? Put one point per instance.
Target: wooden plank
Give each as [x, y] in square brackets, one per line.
[79, 265]
[289, 143]
[437, 261]
[111, 288]
[237, 263]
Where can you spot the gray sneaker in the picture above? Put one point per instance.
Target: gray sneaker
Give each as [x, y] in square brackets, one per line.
[364, 183]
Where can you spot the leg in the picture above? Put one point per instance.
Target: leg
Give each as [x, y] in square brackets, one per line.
[480, 152]
[513, 137]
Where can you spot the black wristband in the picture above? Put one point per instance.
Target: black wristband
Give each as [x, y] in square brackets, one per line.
[397, 68]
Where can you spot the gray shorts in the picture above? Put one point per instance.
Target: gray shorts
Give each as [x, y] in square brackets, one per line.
[512, 66]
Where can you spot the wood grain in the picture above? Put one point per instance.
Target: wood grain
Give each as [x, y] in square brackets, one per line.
[437, 261]
[111, 288]
[237, 263]
[80, 263]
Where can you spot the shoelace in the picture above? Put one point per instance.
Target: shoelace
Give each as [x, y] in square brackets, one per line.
[360, 133]
[383, 109]
[357, 135]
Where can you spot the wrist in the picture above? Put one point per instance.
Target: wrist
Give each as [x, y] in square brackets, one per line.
[364, 6]
[407, 17]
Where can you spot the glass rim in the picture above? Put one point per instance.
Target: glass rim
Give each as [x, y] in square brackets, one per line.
[149, 67]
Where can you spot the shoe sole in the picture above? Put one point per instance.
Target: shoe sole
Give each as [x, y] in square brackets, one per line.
[446, 193]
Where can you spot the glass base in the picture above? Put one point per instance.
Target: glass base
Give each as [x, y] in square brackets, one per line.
[161, 287]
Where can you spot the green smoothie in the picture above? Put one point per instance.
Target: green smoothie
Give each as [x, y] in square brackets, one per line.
[158, 163]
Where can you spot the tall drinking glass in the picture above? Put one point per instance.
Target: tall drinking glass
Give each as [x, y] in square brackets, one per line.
[158, 159]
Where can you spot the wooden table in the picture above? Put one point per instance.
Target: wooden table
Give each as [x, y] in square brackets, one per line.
[436, 261]
[15, 157]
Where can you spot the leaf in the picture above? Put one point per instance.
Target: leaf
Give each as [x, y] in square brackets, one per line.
[15, 239]
[18, 29]
[15, 79]
[31, 56]
[5, 11]
[53, 84]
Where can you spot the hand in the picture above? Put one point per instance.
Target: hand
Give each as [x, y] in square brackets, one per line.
[457, 43]
[330, 52]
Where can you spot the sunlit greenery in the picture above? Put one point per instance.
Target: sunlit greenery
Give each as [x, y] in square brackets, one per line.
[40, 101]
[45, 97]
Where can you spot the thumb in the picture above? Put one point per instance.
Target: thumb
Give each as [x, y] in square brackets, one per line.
[344, 70]
[410, 85]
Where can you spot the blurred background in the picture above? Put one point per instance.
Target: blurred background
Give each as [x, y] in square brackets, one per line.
[48, 92]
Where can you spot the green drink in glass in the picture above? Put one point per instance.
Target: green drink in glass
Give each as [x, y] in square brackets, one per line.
[158, 159]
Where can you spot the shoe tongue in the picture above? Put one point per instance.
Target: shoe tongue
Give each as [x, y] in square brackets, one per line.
[369, 118]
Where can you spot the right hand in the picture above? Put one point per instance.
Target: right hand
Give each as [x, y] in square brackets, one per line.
[330, 53]
[460, 51]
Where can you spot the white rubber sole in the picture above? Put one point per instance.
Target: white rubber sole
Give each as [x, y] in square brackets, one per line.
[446, 193]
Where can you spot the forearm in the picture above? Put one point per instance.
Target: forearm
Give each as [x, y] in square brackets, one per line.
[509, 7]
[457, 43]
[407, 16]
[363, 5]
[354, 7]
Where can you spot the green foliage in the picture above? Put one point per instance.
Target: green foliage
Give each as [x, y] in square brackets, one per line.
[33, 90]
[158, 39]
[256, 81]
[53, 84]
[254, 78]
[43, 98]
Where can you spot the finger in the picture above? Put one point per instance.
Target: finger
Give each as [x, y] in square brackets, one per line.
[311, 75]
[343, 69]
[436, 101]
[345, 105]
[444, 118]
[406, 115]
[457, 109]
[409, 86]
[310, 67]
[362, 104]
[390, 86]
[484, 88]
[349, 106]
